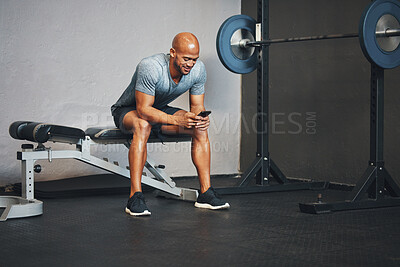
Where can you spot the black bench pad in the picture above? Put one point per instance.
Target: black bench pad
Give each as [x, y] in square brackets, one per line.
[115, 135]
[42, 132]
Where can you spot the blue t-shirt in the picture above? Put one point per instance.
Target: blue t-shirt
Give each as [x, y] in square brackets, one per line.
[152, 77]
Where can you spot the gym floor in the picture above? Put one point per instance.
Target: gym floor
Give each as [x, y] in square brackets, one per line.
[265, 229]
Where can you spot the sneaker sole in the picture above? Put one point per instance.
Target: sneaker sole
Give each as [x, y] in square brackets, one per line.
[144, 213]
[210, 207]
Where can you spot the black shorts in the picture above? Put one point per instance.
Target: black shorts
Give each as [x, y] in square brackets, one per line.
[120, 113]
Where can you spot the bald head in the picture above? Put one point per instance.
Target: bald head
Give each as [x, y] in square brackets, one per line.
[183, 54]
[185, 41]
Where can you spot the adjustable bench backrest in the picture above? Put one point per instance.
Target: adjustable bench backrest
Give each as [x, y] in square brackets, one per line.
[42, 132]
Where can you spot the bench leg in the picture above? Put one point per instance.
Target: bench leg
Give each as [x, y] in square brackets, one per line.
[158, 172]
[18, 207]
[186, 194]
[27, 205]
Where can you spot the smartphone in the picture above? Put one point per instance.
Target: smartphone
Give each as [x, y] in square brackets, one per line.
[204, 113]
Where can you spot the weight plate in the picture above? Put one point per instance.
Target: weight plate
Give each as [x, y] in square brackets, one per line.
[371, 47]
[237, 61]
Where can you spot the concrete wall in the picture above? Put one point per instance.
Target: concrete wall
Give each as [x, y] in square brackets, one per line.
[67, 62]
[319, 94]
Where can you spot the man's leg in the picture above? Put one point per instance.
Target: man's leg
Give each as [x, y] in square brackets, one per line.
[141, 129]
[138, 150]
[201, 157]
[201, 153]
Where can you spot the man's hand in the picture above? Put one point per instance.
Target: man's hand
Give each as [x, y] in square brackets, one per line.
[187, 120]
[191, 120]
[202, 123]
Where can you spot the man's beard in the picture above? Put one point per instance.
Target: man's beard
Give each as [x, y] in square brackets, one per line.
[177, 67]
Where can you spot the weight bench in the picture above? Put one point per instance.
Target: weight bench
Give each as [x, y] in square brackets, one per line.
[40, 133]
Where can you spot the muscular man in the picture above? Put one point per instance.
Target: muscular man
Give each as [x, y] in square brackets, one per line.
[143, 107]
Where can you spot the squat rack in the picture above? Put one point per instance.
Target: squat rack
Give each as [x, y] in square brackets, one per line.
[376, 188]
[376, 181]
[263, 167]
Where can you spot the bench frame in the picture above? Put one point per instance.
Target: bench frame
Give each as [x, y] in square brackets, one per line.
[27, 205]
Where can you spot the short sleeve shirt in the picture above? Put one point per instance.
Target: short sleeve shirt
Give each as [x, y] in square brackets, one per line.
[152, 77]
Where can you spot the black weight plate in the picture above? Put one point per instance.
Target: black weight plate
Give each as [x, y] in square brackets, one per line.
[369, 45]
[225, 54]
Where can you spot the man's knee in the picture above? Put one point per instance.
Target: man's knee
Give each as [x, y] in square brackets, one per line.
[142, 128]
[199, 135]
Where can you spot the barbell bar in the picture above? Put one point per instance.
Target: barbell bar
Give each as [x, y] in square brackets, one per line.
[379, 36]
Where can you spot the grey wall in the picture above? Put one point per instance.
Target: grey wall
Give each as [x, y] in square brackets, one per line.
[330, 80]
[67, 62]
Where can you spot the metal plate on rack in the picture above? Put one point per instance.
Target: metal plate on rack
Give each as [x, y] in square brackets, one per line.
[384, 23]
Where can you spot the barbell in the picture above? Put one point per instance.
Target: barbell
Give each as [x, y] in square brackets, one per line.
[378, 33]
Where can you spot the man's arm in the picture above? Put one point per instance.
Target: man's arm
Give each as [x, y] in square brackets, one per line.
[196, 103]
[196, 106]
[146, 111]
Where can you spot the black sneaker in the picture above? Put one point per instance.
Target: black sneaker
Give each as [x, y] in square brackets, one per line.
[137, 205]
[210, 200]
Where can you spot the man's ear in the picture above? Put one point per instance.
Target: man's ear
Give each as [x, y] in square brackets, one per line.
[172, 52]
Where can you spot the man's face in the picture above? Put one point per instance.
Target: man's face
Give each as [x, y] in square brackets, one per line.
[184, 61]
